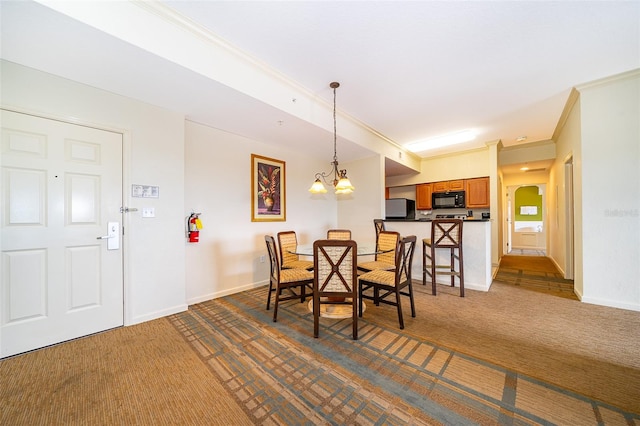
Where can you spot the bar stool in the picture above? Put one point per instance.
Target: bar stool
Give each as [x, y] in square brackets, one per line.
[445, 234]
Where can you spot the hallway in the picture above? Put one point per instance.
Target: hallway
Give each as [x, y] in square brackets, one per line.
[534, 272]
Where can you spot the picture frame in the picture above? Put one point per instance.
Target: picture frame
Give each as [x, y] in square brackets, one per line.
[268, 191]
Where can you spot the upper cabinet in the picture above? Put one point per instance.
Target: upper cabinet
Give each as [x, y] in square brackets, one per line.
[448, 185]
[423, 196]
[477, 192]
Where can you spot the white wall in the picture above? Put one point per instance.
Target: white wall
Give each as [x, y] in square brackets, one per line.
[154, 152]
[610, 125]
[357, 210]
[218, 185]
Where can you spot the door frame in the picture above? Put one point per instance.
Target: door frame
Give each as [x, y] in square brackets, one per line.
[510, 204]
[127, 291]
[568, 215]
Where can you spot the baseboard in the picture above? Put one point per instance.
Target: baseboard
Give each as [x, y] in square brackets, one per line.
[611, 303]
[158, 314]
[217, 294]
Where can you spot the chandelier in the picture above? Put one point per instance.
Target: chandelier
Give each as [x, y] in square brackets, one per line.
[340, 181]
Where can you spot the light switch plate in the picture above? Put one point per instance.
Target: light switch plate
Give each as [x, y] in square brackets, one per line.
[148, 212]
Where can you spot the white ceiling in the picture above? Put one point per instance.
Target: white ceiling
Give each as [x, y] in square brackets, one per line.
[407, 69]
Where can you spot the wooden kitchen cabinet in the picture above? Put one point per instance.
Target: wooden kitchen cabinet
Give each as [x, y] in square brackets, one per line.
[477, 191]
[423, 196]
[448, 185]
[456, 185]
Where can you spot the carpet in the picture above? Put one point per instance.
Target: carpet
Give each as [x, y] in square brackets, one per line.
[143, 374]
[280, 374]
[535, 273]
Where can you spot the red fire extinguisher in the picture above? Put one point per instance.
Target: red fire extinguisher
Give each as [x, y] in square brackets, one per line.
[194, 225]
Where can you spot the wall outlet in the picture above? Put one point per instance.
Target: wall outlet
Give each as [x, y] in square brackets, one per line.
[262, 259]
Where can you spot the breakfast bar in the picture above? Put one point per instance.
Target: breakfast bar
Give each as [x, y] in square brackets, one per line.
[476, 244]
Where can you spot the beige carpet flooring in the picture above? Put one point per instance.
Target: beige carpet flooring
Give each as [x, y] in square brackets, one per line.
[148, 373]
[589, 349]
[140, 375]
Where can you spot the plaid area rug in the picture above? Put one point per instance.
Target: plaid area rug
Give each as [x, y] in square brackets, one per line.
[282, 375]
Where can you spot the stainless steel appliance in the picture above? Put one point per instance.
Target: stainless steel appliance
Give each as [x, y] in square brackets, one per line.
[400, 208]
[448, 200]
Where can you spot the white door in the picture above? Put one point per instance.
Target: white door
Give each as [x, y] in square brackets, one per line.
[61, 185]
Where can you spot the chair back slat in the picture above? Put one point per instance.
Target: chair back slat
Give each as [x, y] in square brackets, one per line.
[335, 265]
[273, 257]
[378, 224]
[338, 234]
[335, 275]
[404, 259]
[446, 233]
[387, 240]
[288, 241]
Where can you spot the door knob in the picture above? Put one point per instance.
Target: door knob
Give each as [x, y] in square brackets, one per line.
[113, 236]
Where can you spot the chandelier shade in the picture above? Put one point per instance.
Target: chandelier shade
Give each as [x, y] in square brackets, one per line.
[341, 182]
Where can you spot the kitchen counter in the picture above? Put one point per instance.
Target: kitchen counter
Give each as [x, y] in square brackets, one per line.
[476, 246]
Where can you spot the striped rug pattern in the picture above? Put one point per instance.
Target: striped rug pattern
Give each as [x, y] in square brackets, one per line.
[280, 374]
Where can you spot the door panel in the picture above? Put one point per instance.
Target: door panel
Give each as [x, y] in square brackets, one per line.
[61, 185]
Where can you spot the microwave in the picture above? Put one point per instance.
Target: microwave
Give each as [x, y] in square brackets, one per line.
[448, 200]
[400, 208]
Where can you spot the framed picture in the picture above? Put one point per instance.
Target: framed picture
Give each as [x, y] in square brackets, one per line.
[268, 197]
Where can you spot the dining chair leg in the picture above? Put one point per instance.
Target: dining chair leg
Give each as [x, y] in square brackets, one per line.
[269, 294]
[461, 268]
[433, 270]
[413, 306]
[399, 305]
[355, 320]
[316, 316]
[275, 306]
[453, 268]
[424, 263]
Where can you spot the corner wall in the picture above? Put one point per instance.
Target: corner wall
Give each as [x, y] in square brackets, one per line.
[610, 125]
[153, 249]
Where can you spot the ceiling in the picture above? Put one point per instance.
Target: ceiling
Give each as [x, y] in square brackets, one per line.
[408, 69]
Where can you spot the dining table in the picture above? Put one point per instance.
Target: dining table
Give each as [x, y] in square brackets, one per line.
[337, 310]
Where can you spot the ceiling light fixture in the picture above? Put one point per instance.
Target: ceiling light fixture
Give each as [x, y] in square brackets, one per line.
[340, 180]
[440, 141]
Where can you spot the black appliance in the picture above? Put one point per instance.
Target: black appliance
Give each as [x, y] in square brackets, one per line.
[448, 200]
[400, 208]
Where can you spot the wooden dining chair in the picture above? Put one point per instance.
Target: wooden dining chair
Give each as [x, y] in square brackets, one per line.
[289, 279]
[387, 286]
[288, 243]
[335, 278]
[445, 234]
[379, 226]
[338, 234]
[385, 258]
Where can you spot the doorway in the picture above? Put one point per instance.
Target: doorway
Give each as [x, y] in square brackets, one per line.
[62, 268]
[526, 219]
